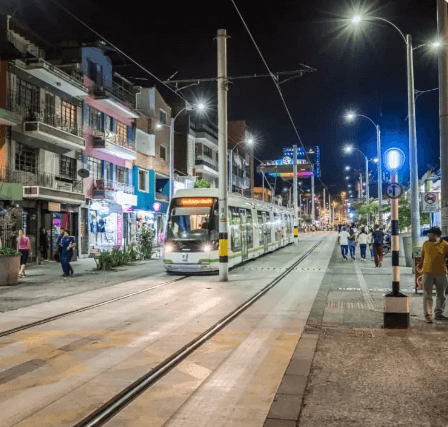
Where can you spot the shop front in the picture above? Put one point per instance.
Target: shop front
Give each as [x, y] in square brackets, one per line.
[105, 223]
[154, 220]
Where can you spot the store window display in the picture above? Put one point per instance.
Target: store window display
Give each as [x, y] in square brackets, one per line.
[103, 227]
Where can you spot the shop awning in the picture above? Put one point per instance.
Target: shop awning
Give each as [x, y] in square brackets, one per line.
[10, 191]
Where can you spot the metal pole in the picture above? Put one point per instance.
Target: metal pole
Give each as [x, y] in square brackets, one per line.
[442, 33]
[231, 171]
[262, 187]
[380, 176]
[413, 166]
[367, 189]
[222, 150]
[296, 224]
[171, 159]
[313, 219]
[300, 215]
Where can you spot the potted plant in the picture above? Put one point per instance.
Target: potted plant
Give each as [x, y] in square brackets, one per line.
[9, 266]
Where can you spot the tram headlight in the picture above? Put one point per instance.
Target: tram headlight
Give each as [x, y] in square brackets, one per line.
[168, 248]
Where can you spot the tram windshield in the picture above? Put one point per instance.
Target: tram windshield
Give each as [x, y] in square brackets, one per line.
[199, 223]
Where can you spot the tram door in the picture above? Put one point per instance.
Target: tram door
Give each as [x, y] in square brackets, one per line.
[244, 237]
[265, 231]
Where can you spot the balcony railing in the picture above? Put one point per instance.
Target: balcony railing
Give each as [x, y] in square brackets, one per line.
[23, 45]
[12, 103]
[122, 142]
[66, 72]
[200, 162]
[40, 179]
[52, 119]
[118, 92]
[118, 186]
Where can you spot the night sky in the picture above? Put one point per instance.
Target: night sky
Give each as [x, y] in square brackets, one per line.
[363, 70]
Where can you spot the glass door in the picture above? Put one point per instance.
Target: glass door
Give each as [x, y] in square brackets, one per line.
[244, 239]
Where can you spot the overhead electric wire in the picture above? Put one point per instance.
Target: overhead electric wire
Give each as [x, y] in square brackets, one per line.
[277, 86]
[118, 50]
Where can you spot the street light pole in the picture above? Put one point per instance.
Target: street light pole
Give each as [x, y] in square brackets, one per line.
[442, 30]
[380, 176]
[415, 202]
[172, 158]
[313, 219]
[296, 225]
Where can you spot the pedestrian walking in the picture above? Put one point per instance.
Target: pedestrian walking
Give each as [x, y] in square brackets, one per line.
[43, 243]
[433, 264]
[352, 241]
[343, 242]
[370, 243]
[378, 242]
[24, 247]
[67, 243]
[362, 240]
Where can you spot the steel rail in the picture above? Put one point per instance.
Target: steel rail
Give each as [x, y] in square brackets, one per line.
[80, 310]
[117, 403]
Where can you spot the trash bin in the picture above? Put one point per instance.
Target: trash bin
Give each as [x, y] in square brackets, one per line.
[407, 246]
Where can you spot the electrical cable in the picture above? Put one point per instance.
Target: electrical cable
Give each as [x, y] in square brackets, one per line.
[277, 86]
[118, 50]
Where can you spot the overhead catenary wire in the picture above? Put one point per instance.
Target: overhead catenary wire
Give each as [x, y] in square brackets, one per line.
[119, 50]
[275, 80]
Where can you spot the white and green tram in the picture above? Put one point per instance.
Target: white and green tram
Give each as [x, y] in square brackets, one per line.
[192, 234]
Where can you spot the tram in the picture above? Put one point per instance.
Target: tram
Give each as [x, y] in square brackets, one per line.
[192, 233]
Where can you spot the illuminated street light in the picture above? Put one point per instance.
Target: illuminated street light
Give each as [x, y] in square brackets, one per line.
[347, 177]
[347, 168]
[356, 19]
[348, 149]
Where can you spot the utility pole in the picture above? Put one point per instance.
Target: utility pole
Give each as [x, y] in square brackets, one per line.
[413, 166]
[296, 225]
[442, 36]
[380, 176]
[313, 213]
[222, 156]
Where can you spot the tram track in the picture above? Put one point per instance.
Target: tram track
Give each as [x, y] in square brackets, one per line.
[118, 402]
[86, 308]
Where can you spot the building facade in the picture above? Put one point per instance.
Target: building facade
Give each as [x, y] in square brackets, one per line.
[239, 158]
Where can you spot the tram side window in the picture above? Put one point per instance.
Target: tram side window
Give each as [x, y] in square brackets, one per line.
[277, 225]
[288, 225]
[260, 228]
[267, 216]
[235, 227]
[250, 229]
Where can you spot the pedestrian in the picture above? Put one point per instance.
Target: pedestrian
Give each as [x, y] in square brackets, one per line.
[378, 242]
[24, 247]
[433, 264]
[370, 243]
[352, 241]
[362, 240]
[67, 243]
[43, 243]
[343, 242]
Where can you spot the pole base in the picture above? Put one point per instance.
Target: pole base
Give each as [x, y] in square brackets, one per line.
[397, 311]
[396, 320]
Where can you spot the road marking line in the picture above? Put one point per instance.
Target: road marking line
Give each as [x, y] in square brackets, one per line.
[365, 291]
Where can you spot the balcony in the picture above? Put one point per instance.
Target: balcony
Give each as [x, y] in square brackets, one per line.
[117, 192]
[208, 166]
[117, 98]
[46, 186]
[19, 47]
[10, 110]
[115, 145]
[49, 127]
[66, 78]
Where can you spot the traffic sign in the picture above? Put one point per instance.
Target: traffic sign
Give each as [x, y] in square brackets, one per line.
[430, 202]
[394, 190]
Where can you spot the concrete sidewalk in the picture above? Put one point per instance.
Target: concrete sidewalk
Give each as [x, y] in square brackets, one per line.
[45, 282]
[347, 370]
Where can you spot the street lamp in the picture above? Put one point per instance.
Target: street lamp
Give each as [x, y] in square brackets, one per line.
[347, 168]
[351, 116]
[250, 141]
[200, 106]
[413, 165]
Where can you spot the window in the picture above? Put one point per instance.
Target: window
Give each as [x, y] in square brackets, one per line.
[198, 150]
[121, 175]
[96, 119]
[143, 181]
[122, 132]
[163, 117]
[28, 94]
[268, 222]
[49, 103]
[95, 72]
[95, 167]
[108, 169]
[260, 228]
[163, 152]
[67, 167]
[249, 229]
[26, 158]
[208, 152]
[235, 230]
[68, 114]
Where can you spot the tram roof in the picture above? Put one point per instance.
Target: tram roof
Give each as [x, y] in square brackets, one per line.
[233, 199]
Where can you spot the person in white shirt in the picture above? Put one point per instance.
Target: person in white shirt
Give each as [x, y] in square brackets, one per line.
[363, 239]
[343, 242]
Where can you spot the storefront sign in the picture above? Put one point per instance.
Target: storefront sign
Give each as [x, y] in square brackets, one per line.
[54, 207]
[82, 229]
[119, 230]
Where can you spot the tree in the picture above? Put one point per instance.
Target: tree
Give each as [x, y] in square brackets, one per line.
[201, 183]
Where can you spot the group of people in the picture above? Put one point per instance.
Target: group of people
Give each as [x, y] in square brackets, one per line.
[349, 237]
[65, 243]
